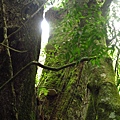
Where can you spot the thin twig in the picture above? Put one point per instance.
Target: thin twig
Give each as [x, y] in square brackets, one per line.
[5, 41]
[12, 48]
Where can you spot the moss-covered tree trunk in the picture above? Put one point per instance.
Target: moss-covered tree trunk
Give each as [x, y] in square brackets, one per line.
[82, 92]
[21, 27]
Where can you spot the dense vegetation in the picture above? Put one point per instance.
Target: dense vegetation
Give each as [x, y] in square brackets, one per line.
[81, 32]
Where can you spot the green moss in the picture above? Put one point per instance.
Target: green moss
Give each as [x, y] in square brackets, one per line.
[105, 98]
[32, 116]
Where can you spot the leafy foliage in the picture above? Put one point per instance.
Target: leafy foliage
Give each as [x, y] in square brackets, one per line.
[80, 33]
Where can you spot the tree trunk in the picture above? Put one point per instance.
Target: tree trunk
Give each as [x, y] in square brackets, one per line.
[17, 97]
[82, 92]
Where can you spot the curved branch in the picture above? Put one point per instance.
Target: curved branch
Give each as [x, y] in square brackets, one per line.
[15, 50]
[45, 67]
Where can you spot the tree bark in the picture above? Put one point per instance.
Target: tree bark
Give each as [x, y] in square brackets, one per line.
[17, 98]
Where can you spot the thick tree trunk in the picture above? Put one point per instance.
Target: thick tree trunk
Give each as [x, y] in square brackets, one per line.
[17, 98]
[104, 102]
[83, 92]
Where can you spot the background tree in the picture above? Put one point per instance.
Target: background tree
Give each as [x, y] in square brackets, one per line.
[87, 90]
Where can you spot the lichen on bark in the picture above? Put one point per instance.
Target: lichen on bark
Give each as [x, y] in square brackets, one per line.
[104, 93]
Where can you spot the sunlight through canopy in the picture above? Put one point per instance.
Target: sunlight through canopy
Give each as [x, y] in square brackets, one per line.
[44, 40]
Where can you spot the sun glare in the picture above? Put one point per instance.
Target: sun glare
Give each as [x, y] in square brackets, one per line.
[44, 40]
[45, 32]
